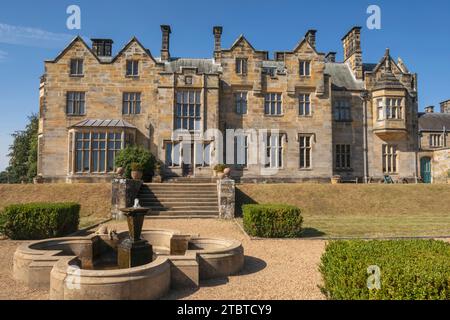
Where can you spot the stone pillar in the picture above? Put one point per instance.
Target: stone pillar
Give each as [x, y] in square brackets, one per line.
[124, 191]
[226, 190]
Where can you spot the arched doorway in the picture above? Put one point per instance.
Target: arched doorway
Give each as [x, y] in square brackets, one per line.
[425, 169]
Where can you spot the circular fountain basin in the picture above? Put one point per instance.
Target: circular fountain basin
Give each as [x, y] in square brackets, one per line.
[82, 268]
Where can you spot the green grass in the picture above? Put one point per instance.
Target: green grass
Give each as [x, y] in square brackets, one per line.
[361, 210]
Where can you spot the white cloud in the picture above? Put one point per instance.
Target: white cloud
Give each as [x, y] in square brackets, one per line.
[3, 55]
[32, 37]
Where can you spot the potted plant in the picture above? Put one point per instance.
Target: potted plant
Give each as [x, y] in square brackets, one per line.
[336, 179]
[137, 171]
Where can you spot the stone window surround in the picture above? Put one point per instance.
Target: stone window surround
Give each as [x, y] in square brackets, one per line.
[198, 100]
[437, 140]
[241, 102]
[280, 147]
[76, 103]
[79, 66]
[71, 166]
[241, 66]
[343, 156]
[309, 146]
[303, 101]
[132, 68]
[305, 68]
[278, 100]
[389, 156]
[382, 108]
[244, 145]
[133, 103]
[342, 110]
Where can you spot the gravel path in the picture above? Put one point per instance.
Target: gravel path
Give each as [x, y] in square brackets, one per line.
[274, 269]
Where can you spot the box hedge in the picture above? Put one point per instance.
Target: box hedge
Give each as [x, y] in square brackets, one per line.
[409, 270]
[36, 221]
[272, 220]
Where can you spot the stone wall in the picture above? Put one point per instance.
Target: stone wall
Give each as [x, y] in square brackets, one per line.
[124, 192]
[441, 166]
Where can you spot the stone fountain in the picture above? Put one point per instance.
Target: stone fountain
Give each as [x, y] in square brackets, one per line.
[134, 251]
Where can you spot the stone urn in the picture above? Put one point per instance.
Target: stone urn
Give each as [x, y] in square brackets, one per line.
[120, 171]
[220, 175]
[227, 172]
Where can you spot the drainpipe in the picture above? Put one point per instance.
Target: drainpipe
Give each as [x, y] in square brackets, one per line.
[364, 97]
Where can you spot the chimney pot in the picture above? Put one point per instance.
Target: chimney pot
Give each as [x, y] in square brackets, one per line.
[429, 109]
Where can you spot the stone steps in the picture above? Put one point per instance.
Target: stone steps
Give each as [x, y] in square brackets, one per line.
[180, 199]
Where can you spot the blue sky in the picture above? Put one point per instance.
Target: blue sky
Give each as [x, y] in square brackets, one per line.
[31, 31]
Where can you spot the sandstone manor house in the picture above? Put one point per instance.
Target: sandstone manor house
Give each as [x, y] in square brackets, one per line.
[320, 117]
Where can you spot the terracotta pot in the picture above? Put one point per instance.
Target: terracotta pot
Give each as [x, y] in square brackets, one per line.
[220, 175]
[227, 172]
[335, 180]
[137, 175]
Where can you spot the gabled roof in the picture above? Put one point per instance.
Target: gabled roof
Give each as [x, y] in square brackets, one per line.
[97, 123]
[301, 42]
[240, 39]
[342, 78]
[125, 48]
[69, 46]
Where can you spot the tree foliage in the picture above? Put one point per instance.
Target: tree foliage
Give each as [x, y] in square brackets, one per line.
[23, 154]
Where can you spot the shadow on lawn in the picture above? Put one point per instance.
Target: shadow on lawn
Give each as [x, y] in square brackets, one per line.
[312, 233]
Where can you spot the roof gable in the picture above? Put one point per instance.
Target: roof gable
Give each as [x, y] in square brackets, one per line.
[76, 40]
[302, 43]
[134, 40]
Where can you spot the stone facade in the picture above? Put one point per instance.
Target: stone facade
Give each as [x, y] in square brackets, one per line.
[328, 118]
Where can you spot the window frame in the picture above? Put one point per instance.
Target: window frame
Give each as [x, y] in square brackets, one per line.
[390, 159]
[305, 143]
[77, 103]
[305, 68]
[245, 146]
[188, 111]
[278, 147]
[78, 65]
[304, 99]
[132, 68]
[94, 154]
[436, 140]
[342, 110]
[241, 66]
[343, 157]
[131, 106]
[241, 102]
[273, 104]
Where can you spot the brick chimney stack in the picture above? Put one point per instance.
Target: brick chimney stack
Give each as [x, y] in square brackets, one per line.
[310, 36]
[330, 57]
[165, 47]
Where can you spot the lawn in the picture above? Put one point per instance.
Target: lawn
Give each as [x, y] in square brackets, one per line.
[95, 199]
[361, 210]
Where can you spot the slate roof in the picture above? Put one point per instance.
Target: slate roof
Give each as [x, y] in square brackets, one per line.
[96, 123]
[342, 77]
[435, 122]
[202, 65]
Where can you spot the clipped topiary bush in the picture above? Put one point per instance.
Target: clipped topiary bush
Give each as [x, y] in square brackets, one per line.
[37, 221]
[272, 220]
[409, 270]
[137, 156]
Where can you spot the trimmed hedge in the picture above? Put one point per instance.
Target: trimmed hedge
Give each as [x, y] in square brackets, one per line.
[410, 270]
[272, 220]
[37, 221]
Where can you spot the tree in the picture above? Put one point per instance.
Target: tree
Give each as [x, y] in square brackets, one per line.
[137, 155]
[23, 154]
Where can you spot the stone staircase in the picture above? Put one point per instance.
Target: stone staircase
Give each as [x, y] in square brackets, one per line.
[181, 200]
